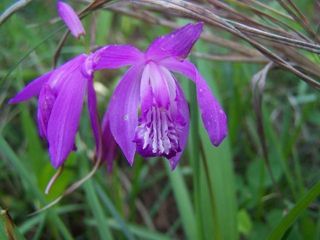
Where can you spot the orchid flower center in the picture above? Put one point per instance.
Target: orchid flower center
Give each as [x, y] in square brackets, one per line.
[87, 67]
[159, 126]
[158, 134]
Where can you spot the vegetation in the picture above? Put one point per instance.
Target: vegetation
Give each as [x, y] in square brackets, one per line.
[261, 58]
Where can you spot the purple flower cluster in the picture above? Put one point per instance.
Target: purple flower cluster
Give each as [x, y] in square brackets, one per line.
[148, 112]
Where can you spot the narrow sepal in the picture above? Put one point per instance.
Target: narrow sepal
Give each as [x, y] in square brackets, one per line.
[65, 117]
[213, 116]
[123, 111]
[71, 19]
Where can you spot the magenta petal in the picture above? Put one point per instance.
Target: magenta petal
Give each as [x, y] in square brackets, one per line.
[94, 117]
[146, 96]
[123, 111]
[159, 85]
[46, 101]
[116, 56]
[177, 43]
[63, 72]
[65, 116]
[213, 116]
[183, 108]
[71, 19]
[32, 89]
[109, 145]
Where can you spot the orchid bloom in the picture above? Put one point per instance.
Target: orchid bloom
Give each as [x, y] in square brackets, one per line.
[162, 127]
[61, 93]
[71, 19]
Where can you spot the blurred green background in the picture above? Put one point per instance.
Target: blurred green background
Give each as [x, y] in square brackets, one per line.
[215, 193]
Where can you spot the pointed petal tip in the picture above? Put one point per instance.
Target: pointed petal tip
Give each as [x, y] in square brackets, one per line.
[173, 165]
[55, 162]
[130, 159]
[177, 43]
[198, 26]
[217, 140]
[131, 162]
[71, 19]
[12, 101]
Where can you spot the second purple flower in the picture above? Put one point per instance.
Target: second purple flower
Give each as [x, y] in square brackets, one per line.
[162, 127]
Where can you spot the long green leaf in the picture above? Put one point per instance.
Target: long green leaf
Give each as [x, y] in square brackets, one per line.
[107, 202]
[27, 178]
[294, 213]
[183, 200]
[216, 174]
[96, 207]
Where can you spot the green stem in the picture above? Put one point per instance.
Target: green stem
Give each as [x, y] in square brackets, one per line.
[217, 229]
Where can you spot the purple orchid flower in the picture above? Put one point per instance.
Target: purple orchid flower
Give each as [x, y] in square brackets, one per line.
[61, 93]
[162, 127]
[71, 19]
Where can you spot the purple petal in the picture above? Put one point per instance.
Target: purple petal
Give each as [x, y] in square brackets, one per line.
[116, 56]
[146, 96]
[94, 117]
[159, 86]
[32, 89]
[71, 19]
[46, 101]
[109, 145]
[59, 75]
[183, 108]
[175, 44]
[65, 116]
[213, 116]
[123, 111]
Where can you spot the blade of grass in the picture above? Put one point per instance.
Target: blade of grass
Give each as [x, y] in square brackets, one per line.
[140, 232]
[95, 206]
[194, 155]
[219, 170]
[279, 231]
[7, 228]
[107, 202]
[183, 201]
[27, 178]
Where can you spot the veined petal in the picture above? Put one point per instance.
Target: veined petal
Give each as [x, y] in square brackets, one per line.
[116, 56]
[46, 101]
[59, 75]
[213, 116]
[32, 89]
[109, 145]
[71, 19]
[123, 111]
[183, 108]
[94, 117]
[176, 44]
[159, 86]
[146, 96]
[65, 116]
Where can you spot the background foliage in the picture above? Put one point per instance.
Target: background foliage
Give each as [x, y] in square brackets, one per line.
[222, 193]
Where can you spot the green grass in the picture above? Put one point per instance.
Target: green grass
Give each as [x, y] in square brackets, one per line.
[215, 193]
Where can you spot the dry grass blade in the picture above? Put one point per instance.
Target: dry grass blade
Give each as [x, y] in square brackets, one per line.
[201, 13]
[151, 18]
[231, 58]
[258, 84]
[264, 6]
[12, 9]
[90, 7]
[298, 16]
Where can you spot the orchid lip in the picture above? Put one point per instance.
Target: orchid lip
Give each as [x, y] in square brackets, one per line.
[158, 134]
